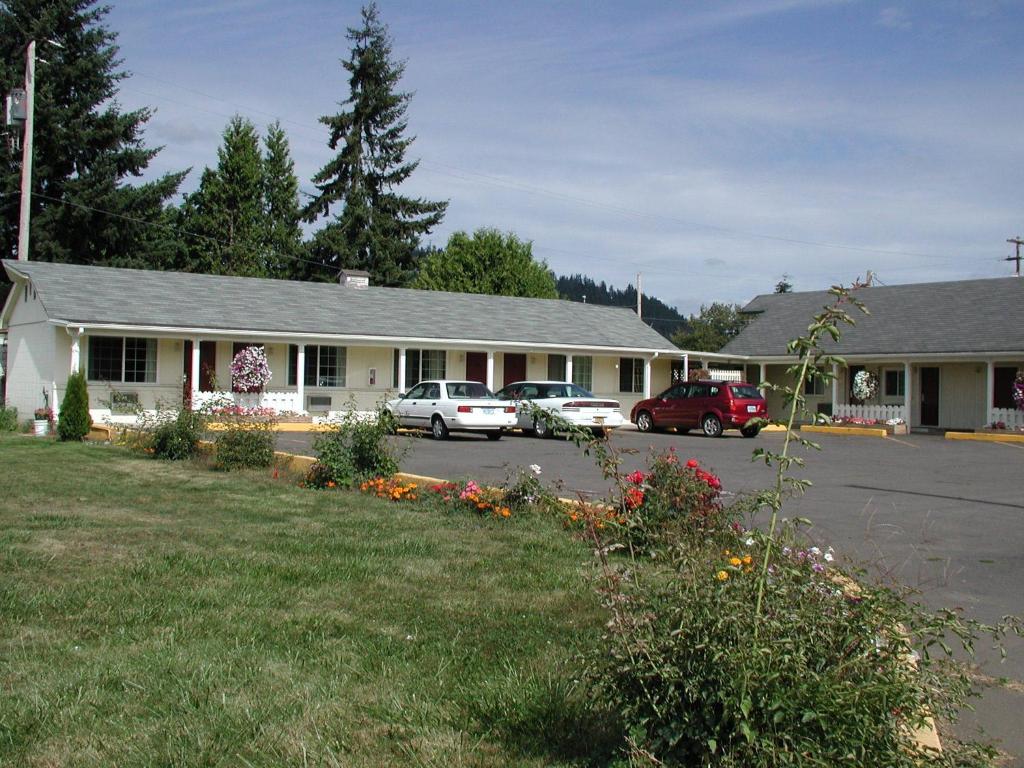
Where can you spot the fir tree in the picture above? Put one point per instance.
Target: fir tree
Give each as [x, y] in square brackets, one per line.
[281, 204]
[377, 229]
[225, 219]
[74, 421]
[85, 147]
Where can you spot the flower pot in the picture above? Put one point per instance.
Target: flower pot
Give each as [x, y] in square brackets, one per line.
[40, 427]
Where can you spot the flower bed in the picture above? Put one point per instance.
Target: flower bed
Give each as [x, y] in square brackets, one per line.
[891, 426]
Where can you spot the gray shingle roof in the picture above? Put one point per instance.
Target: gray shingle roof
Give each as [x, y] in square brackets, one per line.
[966, 316]
[101, 295]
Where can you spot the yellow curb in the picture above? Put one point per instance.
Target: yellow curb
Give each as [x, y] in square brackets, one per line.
[986, 437]
[862, 431]
[100, 432]
[773, 428]
[279, 427]
[294, 462]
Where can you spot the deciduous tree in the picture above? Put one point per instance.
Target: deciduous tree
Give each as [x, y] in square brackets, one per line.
[712, 329]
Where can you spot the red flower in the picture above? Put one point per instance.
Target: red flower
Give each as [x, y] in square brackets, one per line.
[634, 498]
[692, 463]
[635, 477]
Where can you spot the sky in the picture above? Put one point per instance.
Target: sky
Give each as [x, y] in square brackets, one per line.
[711, 146]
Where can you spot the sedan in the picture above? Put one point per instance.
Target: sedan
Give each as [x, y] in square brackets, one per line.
[570, 402]
[453, 406]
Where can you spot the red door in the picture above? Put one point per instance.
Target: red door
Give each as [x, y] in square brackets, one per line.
[515, 368]
[476, 366]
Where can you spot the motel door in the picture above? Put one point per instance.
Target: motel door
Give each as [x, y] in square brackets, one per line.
[476, 367]
[207, 367]
[929, 397]
[515, 368]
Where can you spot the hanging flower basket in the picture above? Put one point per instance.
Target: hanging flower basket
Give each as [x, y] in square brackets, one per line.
[249, 370]
[1018, 391]
[865, 385]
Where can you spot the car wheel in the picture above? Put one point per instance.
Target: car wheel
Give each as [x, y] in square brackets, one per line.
[541, 429]
[750, 431]
[495, 435]
[644, 422]
[711, 425]
[438, 428]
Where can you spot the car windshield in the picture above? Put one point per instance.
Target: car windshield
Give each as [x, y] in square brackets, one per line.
[467, 390]
[746, 392]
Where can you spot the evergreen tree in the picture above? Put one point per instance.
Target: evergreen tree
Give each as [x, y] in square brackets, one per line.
[281, 203]
[712, 329]
[663, 318]
[377, 229]
[85, 147]
[225, 219]
[74, 421]
[487, 262]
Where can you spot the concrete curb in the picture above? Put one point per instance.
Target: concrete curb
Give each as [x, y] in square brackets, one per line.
[858, 431]
[986, 437]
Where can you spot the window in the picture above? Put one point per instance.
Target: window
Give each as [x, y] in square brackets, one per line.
[556, 367]
[895, 386]
[421, 364]
[814, 384]
[127, 359]
[583, 371]
[631, 374]
[325, 366]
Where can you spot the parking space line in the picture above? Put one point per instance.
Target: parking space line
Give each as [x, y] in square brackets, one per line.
[902, 442]
[1018, 446]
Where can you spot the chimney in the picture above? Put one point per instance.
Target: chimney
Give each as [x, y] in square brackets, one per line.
[354, 278]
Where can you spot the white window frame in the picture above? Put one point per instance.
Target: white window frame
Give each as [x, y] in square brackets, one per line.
[901, 384]
[583, 371]
[313, 352]
[636, 374]
[151, 343]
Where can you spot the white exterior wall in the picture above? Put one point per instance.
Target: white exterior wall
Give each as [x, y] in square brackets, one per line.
[30, 354]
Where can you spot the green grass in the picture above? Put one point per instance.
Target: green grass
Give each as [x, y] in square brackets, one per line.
[154, 613]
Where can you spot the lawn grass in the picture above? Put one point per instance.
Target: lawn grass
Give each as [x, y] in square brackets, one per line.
[154, 613]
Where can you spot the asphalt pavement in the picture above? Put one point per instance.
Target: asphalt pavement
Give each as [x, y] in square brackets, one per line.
[946, 517]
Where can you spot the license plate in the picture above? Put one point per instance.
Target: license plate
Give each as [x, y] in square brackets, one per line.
[751, 409]
[488, 411]
[599, 419]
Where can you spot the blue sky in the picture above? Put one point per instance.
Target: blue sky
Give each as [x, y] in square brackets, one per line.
[711, 146]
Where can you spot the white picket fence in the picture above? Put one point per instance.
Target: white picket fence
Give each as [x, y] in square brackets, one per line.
[717, 374]
[1011, 417]
[279, 401]
[877, 412]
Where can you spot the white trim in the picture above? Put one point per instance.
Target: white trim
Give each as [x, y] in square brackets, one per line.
[431, 342]
[490, 370]
[924, 357]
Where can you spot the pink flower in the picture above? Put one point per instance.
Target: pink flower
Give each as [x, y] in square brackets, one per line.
[636, 478]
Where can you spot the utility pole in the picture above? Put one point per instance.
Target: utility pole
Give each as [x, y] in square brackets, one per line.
[639, 296]
[26, 153]
[1018, 242]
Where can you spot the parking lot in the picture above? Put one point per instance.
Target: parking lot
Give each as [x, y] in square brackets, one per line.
[944, 516]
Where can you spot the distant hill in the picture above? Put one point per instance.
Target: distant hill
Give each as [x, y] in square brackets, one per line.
[656, 313]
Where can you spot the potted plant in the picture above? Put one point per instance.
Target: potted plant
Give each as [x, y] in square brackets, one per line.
[41, 421]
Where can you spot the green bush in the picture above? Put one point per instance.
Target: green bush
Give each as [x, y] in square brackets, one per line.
[356, 448]
[73, 421]
[246, 445]
[9, 419]
[173, 434]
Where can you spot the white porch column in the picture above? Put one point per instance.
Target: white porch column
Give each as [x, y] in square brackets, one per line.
[647, 377]
[907, 391]
[835, 387]
[76, 355]
[568, 368]
[762, 374]
[300, 377]
[490, 370]
[686, 366]
[990, 386]
[400, 384]
[195, 372]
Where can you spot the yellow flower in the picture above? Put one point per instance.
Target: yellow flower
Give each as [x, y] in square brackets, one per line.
[735, 561]
[747, 559]
[722, 575]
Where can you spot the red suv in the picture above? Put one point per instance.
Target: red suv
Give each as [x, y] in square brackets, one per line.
[713, 406]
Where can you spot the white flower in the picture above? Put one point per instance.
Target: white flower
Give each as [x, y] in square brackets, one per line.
[829, 557]
[750, 541]
[535, 468]
[814, 551]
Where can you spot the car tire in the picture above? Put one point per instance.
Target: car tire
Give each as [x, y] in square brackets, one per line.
[711, 425]
[438, 428]
[495, 434]
[541, 429]
[750, 431]
[644, 422]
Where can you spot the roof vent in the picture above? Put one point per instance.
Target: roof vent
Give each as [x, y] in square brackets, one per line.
[354, 278]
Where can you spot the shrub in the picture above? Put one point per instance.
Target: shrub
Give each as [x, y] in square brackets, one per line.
[355, 448]
[172, 435]
[246, 445]
[8, 419]
[74, 421]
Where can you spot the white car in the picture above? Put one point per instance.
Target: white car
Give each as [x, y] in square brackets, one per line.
[572, 403]
[453, 406]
